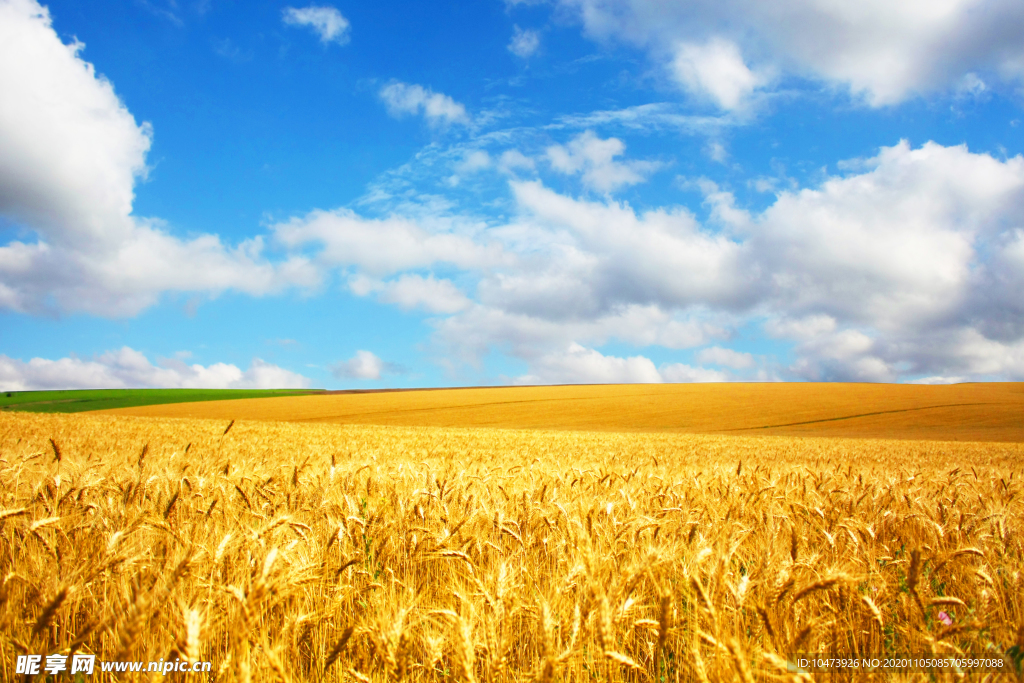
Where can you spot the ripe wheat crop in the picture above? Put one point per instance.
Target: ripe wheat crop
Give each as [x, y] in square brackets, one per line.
[959, 412]
[323, 552]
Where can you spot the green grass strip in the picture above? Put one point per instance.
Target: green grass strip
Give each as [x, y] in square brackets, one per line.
[81, 400]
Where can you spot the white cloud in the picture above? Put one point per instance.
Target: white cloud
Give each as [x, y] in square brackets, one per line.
[887, 51]
[413, 291]
[905, 265]
[364, 365]
[468, 335]
[716, 355]
[512, 160]
[473, 161]
[682, 373]
[382, 246]
[801, 329]
[716, 151]
[127, 368]
[327, 22]
[898, 247]
[938, 380]
[70, 154]
[971, 86]
[843, 356]
[524, 42]
[576, 364]
[403, 99]
[69, 149]
[594, 158]
[654, 116]
[763, 184]
[715, 70]
[579, 365]
[610, 256]
[908, 265]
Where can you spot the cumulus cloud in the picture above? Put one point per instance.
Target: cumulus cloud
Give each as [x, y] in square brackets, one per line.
[127, 368]
[71, 151]
[715, 70]
[887, 51]
[681, 373]
[594, 160]
[843, 356]
[327, 22]
[918, 240]
[413, 291]
[470, 334]
[402, 99]
[382, 246]
[577, 364]
[905, 265]
[70, 154]
[364, 365]
[716, 355]
[524, 42]
[938, 380]
[908, 266]
[610, 257]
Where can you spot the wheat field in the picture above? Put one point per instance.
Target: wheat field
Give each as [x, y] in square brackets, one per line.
[959, 412]
[322, 552]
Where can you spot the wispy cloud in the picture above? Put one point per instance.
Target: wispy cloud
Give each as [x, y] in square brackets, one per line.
[165, 13]
[230, 51]
[327, 22]
[402, 99]
[655, 116]
[524, 43]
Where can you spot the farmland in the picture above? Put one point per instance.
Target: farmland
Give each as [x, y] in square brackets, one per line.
[963, 412]
[82, 400]
[334, 552]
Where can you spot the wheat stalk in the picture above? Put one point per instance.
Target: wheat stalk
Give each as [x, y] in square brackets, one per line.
[416, 554]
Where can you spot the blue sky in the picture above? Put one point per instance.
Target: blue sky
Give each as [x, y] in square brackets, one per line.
[360, 195]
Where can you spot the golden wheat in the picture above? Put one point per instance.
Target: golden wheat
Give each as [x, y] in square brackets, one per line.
[323, 552]
[959, 412]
